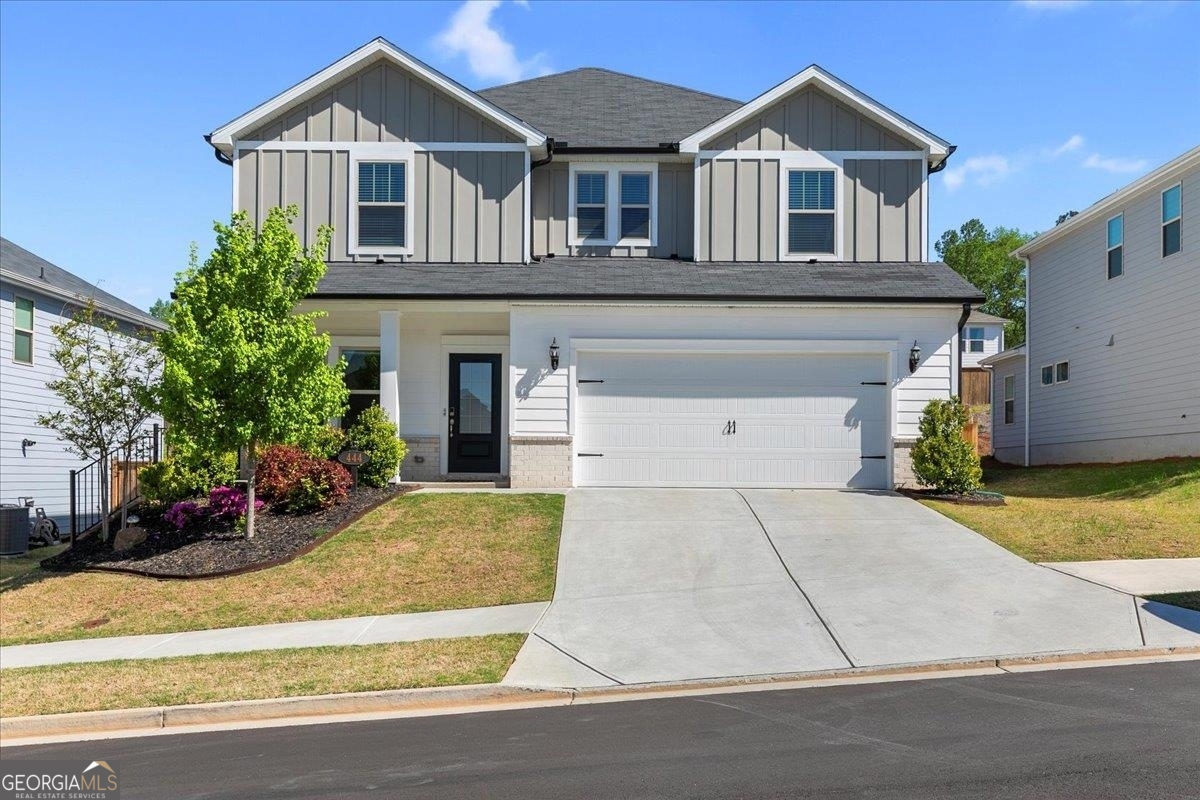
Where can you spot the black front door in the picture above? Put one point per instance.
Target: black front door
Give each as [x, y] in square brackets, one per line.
[474, 414]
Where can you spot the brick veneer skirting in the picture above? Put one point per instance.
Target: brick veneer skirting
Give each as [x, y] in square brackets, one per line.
[539, 462]
[902, 473]
[428, 448]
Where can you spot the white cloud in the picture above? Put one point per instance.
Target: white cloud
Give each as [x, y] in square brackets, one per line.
[1118, 165]
[1069, 146]
[472, 33]
[980, 170]
[1052, 5]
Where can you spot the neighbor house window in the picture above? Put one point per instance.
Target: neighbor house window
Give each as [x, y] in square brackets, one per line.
[362, 379]
[1172, 211]
[591, 205]
[973, 341]
[1048, 375]
[1116, 245]
[811, 212]
[1010, 398]
[635, 205]
[22, 330]
[382, 205]
[1062, 372]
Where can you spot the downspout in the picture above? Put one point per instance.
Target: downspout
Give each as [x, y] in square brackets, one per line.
[1028, 354]
[962, 321]
[224, 159]
[541, 162]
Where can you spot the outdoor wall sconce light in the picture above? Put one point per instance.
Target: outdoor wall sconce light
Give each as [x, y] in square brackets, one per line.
[26, 443]
[914, 357]
[553, 354]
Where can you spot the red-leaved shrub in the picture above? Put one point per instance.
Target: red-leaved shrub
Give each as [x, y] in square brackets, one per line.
[298, 481]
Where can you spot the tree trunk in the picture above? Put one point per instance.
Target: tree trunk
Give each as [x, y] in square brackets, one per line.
[105, 491]
[251, 468]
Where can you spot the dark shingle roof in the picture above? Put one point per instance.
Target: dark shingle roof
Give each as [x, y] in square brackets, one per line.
[20, 261]
[580, 278]
[591, 107]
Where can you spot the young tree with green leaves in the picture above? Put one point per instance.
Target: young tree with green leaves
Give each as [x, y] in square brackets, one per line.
[982, 257]
[242, 368]
[106, 388]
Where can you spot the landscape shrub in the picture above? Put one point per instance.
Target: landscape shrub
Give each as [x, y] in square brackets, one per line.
[185, 474]
[228, 503]
[298, 481]
[941, 457]
[374, 434]
[183, 514]
[325, 442]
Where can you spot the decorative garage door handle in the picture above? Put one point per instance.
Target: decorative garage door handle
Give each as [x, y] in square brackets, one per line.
[730, 427]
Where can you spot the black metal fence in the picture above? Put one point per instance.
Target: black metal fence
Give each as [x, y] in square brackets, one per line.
[111, 480]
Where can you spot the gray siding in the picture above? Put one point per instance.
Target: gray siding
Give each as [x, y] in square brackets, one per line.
[1008, 441]
[381, 104]
[550, 208]
[739, 215]
[1141, 396]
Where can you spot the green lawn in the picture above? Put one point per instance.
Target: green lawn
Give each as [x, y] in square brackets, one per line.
[260, 674]
[12, 570]
[420, 552]
[1147, 509]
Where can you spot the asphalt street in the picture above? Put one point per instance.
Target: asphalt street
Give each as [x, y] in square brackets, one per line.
[1119, 732]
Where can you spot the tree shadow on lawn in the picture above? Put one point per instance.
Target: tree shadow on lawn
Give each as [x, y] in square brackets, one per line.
[1132, 481]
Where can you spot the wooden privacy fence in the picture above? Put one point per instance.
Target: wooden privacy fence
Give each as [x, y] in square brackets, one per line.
[976, 387]
[971, 436]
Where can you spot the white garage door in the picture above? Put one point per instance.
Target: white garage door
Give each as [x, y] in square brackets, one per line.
[669, 419]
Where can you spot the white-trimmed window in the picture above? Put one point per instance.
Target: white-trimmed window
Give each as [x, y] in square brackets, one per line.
[1116, 246]
[382, 223]
[22, 330]
[613, 204]
[1056, 373]
[811, 213]
[972, 342]
[1172, 214]
[362, 379]
[1010, 399]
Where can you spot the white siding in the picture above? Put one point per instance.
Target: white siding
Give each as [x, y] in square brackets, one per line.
[991, 344]
[1140, 397]
[1008, 441]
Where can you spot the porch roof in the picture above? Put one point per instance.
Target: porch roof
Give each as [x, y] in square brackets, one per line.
[585, 278]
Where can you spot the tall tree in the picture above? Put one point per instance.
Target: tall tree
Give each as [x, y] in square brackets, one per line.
[160, 308]
[982, 257]
[106, 388]
[242, 368]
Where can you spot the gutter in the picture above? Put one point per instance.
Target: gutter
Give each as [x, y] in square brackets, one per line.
[34, 285]
[942, 164]
[541, 162]
[962, 320]
[663, 147]
[224, 159]
[1028, 360]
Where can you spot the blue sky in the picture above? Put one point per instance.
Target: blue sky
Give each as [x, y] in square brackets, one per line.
[102, 106]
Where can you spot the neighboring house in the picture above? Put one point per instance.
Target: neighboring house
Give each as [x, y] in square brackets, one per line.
[593, 279]
[36, 295]
[1113, 349]
[982, 336]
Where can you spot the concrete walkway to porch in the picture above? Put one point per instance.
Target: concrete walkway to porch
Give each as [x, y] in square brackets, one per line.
[457, 623]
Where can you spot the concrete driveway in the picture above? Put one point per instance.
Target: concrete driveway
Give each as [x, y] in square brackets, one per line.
[678, 584]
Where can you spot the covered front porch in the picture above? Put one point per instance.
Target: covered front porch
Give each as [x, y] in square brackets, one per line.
[440, 372]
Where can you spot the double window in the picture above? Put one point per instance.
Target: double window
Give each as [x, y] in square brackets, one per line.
[614, 204]
[973, 341]
[1116, 246]
[1172, 213]
[22, 330]
[1056, 373]
[1010, 399]
[362, 379]
[811, 212]
[382, 224]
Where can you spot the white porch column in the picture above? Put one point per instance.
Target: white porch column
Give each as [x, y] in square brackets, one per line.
[389, 365]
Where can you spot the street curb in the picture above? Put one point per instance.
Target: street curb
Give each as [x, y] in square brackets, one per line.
[494, 697]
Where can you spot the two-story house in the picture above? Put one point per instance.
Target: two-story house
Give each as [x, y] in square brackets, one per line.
[982, 337]
[593, 279]
[1110, 370]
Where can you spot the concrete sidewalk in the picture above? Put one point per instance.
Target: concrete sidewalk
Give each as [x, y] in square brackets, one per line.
[453, 624]
[1140, 576]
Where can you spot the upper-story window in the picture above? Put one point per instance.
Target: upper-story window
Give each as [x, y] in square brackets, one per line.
[1172, 213]
[973, 341]
[1116, 246]
[811, 213]
[614, 204]
[22, 330]
[382, 223]
[1056, 373]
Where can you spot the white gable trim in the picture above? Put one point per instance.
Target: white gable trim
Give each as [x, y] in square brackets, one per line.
[938, 148]
[375, 50]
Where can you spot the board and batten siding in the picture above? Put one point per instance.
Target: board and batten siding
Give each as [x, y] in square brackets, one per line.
[1139, 397]
[1008, 441]
[541, 406]
[43, 471]
[551, 213]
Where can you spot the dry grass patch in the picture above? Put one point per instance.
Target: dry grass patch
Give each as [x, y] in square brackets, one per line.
[1148, 509]
[252, 676]
[416, 553]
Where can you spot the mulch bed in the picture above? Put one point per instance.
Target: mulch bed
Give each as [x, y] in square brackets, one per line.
[977, 499]
[213, 550]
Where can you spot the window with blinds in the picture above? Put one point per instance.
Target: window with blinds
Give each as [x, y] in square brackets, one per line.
[591, 191]
[635, 205]
[811, 212]
[382, 204]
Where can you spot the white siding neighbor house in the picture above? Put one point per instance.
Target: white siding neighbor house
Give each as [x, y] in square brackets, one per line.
[36, 295]
[595, 279]
[1113, 351]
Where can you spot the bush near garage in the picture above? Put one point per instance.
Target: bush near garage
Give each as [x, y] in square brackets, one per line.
[941, 456]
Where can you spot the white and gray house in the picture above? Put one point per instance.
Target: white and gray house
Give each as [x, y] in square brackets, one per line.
[35, 296]
[1110, 370]
[594, 279]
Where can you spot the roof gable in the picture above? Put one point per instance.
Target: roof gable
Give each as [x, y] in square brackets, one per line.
[939, 149]
[377, 50]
